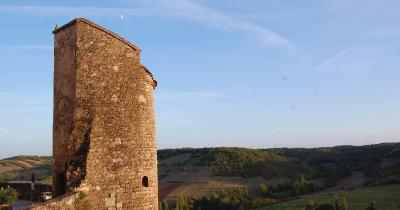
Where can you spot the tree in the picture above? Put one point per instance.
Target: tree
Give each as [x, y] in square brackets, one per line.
[8, 196]
[264, 189]
[311, 205]
[163, 205]
[343, 204]
[371, 206]
[82, 202]
[183, 204]
[325, 206]
[337, 204]
[299, 185]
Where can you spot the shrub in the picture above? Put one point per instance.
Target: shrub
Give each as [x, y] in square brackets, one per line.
[311, 205]
[8, 196]
[264, 189]
[224, 200]
[82, 202]
[261, 202]
[371, 206]
[233, 199]
[325, 207]
[343, 204]
[183, 204]
[163, 205]
[3, 178]
[301, 186]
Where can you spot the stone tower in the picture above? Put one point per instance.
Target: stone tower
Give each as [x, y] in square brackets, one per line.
[104, 138]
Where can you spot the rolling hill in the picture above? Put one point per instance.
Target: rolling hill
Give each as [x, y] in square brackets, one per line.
[287, 172]
[20, 168]
[386, 198]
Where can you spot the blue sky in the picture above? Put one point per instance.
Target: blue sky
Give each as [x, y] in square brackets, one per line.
[231, 72]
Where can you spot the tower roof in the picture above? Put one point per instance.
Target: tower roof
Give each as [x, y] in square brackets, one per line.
[76, 20]
[83, 20]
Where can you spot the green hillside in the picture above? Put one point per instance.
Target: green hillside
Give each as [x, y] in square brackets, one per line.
[20, 168]
[286, 173]
[386, 197]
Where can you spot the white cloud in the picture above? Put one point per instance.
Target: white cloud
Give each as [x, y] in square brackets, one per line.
[354, 60]
[187, 9]
[332, 59]
[210, 17]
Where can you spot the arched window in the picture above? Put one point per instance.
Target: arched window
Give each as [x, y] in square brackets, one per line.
[145, 181]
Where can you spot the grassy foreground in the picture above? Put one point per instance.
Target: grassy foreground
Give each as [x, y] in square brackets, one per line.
[386, 197]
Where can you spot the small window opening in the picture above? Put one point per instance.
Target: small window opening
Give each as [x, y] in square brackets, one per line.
[145, 181]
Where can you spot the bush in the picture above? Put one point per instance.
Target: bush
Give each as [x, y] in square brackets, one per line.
[264, 190]
[183, 204]
[261, 202]
[311, 205]
[325, 207]
[302, 186]
[371, 206]
[224, 200]
[8, 196]
[343, 204]
[163, 205]
[82, 202]
[3, 178]
[233, 199]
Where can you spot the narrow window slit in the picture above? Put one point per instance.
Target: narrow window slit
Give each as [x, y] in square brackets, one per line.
[145, 181]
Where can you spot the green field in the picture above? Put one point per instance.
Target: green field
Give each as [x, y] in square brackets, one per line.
[386, 197]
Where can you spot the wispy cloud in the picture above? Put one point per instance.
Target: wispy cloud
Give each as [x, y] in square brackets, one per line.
[353, 60]
[186, 9]
[332, 59]
[211, 17]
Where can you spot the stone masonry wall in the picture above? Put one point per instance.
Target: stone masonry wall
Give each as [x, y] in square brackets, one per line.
[64, 202]
[104, 124]
[64, 100]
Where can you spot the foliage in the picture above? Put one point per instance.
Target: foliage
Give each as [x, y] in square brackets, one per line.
[82, 202]
[183, 204]
[386, 197]
[343, 204]
[264, 190]
[41, 165]
[223, 200]
[311, 205]
[332, 163]
[3, 178]
[233, 199]
[371, 206]
[247, 163]
[8, 196]
[163, 154]
[337, 204]
[325, 206]
[302, 186]
[30, 157]
[163, 205]
[337, 162]
[42, 171]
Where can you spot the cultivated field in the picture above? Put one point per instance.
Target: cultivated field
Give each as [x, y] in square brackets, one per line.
[386, 197]
[20, 168]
